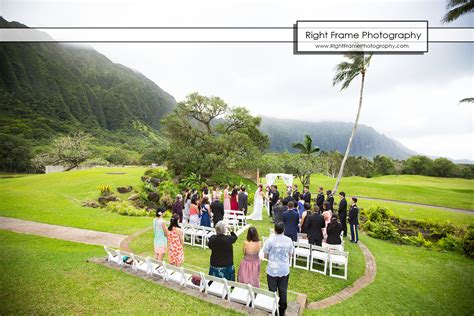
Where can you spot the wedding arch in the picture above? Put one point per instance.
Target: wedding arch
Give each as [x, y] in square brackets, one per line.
[270, 179]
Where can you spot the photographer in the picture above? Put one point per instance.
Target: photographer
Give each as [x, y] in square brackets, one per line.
[222, 253]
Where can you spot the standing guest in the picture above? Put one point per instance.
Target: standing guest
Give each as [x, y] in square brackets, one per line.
[291, 219]
[160, 233]
[289, 198]
[222, 253]
[226, 198]
[278, 250]
[314, 224]
[320, 198]
[178, 206]
[205, 212]
[301, 206]
[215, 192]
[296, 193]
[342, 212]
[175, 242]
[274, 199]
[278, 210]
[234, 204]
[249, 270]
[243, 198]
[187, 204]
[205, 193]
[306, 213]
[354, 220]
[330, 199]
[307, 195]
[194, 194]
[327, 214]
[217, 209]
[334, 229]
[194, 213]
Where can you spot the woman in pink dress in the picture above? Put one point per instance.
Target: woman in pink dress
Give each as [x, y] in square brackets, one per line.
[226, 198]
[327, 214]
[249, 270]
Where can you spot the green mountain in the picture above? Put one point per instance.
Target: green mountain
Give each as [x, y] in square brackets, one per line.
[331, 136]
[49, 88]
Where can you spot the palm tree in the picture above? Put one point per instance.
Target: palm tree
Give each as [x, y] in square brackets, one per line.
[457, 8]
[306, 147]
[467, 100]
[346, 71]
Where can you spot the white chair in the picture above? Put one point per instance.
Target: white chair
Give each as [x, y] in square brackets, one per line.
[216, 286]
[200, 234]
[230, 218]
[188, 275]
[333, 247]
[188, 232]
[140, 264]
[209, 233]
[241, 219]
[113, 255]
[319, 254]
[156, 267]
[338, 258]
[302, 238]
[239, 292]
[123, 254]
[302, 251]
[265, 300]
[175, 274]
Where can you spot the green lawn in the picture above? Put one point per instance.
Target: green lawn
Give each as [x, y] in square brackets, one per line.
[300, 280]
[48, 276]
[55, 198]
[412, 280]
[457, 193]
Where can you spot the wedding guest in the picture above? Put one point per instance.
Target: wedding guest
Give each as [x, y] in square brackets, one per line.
[187, 204]
[243, 200]
[334, 230]
[320, 198]
[222, 253]
[306, 213]
[194, 213]
[175, 242]
[217, 209]
[278, 210]
[226, 198]
[234, 204]
[215, 192]
[160, 234]
[314, 227]
[278, 250]
[327, 214]
[274, 198]
[296, 193]
[178, 206]
[289, 198]
[330, 199]
[249, 270]
[301, 206]
[354, 220]
[342, 212]
[307, 195]
[291, 219]
[205, 212]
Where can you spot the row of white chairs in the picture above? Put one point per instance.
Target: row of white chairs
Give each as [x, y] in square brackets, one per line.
[235, 219]
[197, 235]
[220, 287]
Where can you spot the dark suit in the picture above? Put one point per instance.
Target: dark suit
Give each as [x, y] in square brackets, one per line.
[288, 199]
[278, 212]
[296, 195]
[243, 202]
[331, 202]
[307, 197]
[342, 212]
[217, 209]
[334, 230]
[274, 200]
[291, 219]
[314, 224]
[354, 222]
[320, 200]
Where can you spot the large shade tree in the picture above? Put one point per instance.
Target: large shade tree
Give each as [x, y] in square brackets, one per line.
[208, 137]
[356, 64]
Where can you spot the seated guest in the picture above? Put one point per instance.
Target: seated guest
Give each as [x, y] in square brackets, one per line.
[278, 210]
[291, 219]
[306, 213]
[249, 269]
[334, 230]
[314, 224]
[222, 253]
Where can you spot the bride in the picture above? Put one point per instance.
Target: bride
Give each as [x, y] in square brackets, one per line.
[257, 204]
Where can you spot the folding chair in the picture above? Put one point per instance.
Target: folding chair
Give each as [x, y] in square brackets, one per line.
[319, 254]
[188, 275]
[140, 264]
[209, 232]
[239, 292]
[216, 286]
[188, 232]
[200, 234]
[302, 251]
[113, 255]
[156, 268]
[333, 247]
[338, 258]
[265, 300]
[123, 254]
[175, 274]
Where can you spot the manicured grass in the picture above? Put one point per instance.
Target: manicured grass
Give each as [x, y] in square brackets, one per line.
[56, 198]
[300, 280]
[48, 276]
[448, 192]
[412, 280]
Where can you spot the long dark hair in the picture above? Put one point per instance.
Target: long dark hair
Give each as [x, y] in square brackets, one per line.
[174, 222]
[326, 206]
[252, 234]
[234, 191]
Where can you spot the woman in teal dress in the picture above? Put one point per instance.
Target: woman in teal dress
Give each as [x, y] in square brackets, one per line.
[205, 212]
[160, 230]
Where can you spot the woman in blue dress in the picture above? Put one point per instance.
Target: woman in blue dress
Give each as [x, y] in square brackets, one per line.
[205, 212]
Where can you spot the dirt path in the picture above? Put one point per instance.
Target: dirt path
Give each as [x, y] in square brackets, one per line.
[61, 232]
[444, 208]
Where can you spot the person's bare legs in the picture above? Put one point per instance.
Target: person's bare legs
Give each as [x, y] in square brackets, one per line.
[160, 256]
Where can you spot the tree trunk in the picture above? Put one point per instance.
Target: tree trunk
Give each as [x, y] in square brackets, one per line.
[341, 170]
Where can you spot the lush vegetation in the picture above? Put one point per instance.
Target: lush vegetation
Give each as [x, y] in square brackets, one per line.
[49, 276]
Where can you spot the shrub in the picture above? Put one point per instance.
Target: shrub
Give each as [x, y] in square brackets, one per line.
[124, 208]
[168, 188]
[104, 190]
[468, 242]
[159, 172]
[417, 240]
[384, 231]
[451, 243]
[379, 214]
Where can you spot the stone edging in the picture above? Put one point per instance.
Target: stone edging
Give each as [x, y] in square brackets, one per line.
[359, 284]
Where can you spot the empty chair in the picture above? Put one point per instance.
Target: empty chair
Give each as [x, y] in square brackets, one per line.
[175, 274]
[333, 247]
[319, 257]
[239, 292]
[188, 275]
[208, 233]
[156, 267]
[265, 300]
[200, 234]
[302, 238]
[188, 232]
[140, 264]
[216, 286]
[338, 259]
[302, 252]
[113, 255]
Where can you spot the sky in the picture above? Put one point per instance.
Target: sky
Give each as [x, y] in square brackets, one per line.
[411, 98]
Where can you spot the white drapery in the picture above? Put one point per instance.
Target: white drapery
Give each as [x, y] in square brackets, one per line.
[270, 179]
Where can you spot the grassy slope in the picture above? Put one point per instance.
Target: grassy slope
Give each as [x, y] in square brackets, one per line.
[300, 280]
[428, 190]
[56, 199]
[48, 276]
[412, 280]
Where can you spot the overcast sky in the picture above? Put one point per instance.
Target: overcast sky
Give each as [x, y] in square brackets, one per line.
[412, 98]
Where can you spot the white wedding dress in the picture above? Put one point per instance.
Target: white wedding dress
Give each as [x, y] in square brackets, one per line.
[257, 207]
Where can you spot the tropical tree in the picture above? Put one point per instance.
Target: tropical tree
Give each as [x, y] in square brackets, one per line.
[355, 65]
[467, 100]
[306, 147]
[457, 8]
